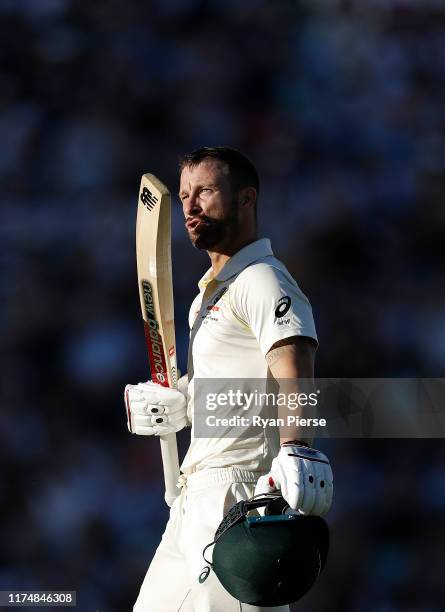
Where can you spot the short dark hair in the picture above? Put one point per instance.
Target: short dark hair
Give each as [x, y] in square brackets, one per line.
[242, 173]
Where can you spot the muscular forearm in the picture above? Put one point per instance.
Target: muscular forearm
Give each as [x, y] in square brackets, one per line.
[293, 432]
[291, 362]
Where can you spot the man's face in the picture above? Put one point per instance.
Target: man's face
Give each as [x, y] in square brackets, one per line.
[210, 207]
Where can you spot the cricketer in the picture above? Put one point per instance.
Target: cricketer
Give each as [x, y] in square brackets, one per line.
[262, 327]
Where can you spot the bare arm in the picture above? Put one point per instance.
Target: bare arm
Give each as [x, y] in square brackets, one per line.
[293, 359]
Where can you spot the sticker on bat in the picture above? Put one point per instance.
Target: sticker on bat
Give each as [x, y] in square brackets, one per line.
[155, 345]
[148, 199]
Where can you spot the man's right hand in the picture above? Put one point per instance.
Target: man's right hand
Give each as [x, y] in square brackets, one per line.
[153, 410]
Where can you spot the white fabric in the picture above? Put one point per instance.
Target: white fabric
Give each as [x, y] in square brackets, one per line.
[153, 410]
[304, 477]
[233, 325]
[171, 583]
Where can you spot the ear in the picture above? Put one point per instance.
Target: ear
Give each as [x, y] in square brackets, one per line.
[247, 197]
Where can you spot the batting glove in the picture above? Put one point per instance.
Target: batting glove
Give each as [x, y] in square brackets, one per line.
[153, 410]
[303, 475]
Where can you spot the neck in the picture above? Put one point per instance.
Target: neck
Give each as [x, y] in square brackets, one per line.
[218, 261]
[221, 255]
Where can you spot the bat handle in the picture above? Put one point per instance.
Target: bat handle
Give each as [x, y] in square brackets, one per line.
[170, 461]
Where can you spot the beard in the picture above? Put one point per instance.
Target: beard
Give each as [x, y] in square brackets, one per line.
[215, 232]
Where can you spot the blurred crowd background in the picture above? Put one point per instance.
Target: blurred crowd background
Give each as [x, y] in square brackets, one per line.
[341, 106]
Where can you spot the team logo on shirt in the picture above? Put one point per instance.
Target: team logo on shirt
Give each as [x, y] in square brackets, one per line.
[282, 306]
[212, 308]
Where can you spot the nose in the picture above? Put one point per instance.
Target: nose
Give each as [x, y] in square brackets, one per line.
[191, 206]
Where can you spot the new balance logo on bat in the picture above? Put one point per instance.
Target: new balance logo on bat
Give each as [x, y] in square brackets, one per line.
[148, 199]
[154, 339]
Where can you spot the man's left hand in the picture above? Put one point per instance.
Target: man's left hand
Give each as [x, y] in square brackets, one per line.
[303, 475]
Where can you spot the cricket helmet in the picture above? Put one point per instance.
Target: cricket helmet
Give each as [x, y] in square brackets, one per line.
[269, 560]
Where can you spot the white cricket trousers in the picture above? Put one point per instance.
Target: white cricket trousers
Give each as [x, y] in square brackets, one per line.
[171, 583]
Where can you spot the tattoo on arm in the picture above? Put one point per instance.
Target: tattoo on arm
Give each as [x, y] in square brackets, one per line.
[276, 353]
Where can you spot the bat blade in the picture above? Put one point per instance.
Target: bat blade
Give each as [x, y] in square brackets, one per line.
[153, 255]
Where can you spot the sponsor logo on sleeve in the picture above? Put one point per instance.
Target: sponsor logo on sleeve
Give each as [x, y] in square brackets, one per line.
[282, 306]
[281, 309]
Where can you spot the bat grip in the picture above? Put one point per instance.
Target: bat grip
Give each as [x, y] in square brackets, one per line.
[170, 461]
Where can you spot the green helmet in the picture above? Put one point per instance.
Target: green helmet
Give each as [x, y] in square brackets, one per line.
[269, 560]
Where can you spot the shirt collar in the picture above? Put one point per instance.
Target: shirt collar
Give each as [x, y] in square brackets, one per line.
[246, 256]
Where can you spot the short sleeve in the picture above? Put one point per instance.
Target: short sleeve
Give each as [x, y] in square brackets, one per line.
[268, 300]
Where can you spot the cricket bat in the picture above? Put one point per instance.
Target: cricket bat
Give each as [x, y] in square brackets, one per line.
[153, 255]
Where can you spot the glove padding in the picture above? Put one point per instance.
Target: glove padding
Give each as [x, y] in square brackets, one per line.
[304, 476]
[153, 410]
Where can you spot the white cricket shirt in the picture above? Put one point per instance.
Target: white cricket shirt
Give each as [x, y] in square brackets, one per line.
[252, 303]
